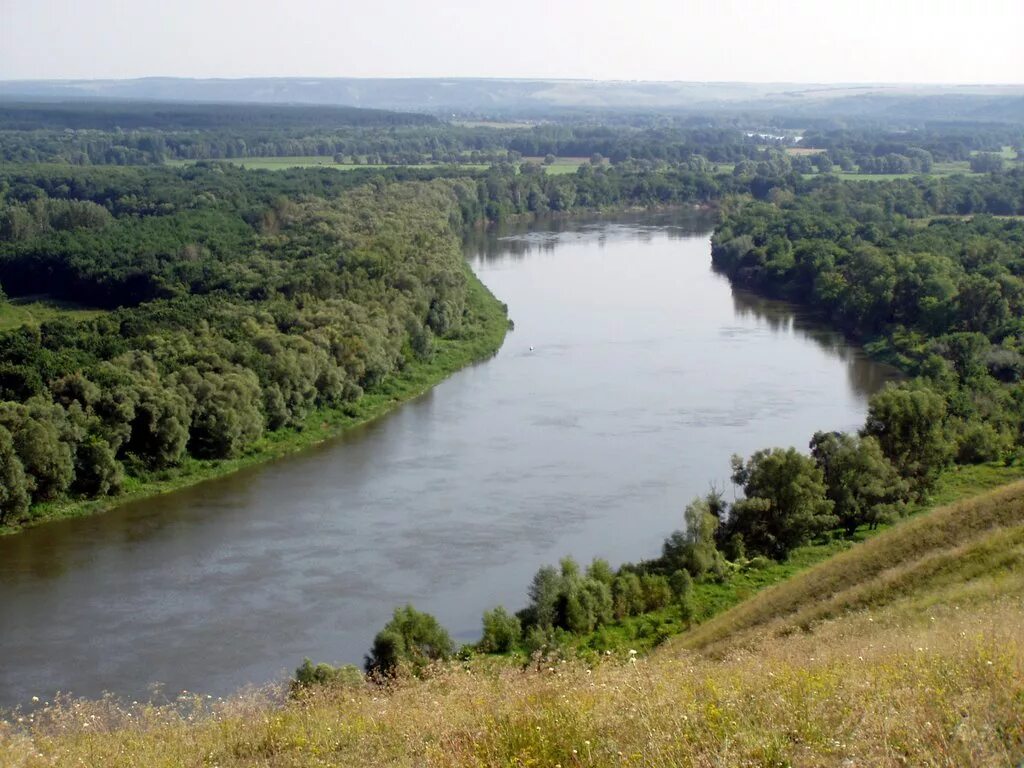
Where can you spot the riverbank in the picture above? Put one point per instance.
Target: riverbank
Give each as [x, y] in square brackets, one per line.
[918, 632]
[486, 327]
[712, 598]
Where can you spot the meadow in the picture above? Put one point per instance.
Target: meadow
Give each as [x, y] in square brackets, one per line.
[562, 165]
[313, 161]
[15, 313]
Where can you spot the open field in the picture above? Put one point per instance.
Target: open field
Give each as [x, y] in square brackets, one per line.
[940, 169]
[905, 650]
[561, 165]
[1008, 153]
[15, 313]
[312, 161]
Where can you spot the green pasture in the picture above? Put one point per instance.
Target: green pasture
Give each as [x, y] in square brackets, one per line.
[14, 313]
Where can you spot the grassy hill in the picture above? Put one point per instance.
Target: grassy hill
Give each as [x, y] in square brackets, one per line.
[907, 649]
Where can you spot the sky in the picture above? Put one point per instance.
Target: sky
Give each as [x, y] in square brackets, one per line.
[822, 41]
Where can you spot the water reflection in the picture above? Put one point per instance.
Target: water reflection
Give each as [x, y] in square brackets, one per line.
[866, 376]
[519, 240]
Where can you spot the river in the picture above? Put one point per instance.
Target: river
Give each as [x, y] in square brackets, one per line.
[633, 373]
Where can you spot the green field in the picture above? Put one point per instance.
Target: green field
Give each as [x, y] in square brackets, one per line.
[34, 310]
[939, 169]
[312, 161]
[561, 165]
[1008, 153]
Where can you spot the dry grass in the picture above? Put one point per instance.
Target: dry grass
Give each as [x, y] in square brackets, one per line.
[906, 650]
[947, 546]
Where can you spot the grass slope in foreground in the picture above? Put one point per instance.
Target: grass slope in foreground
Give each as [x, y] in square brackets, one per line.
[907, 649]
[486, 325]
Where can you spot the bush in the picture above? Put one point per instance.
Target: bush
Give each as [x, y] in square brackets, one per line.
[309, 675]
[627, 595]
[682, 590]
[410, 640]
[501, 631]
[980, 442]
[657, 593]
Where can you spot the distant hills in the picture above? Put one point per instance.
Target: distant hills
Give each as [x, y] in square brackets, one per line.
[507, 97]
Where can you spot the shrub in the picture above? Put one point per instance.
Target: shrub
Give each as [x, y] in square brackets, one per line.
[309, 675]
[501, 631]
[411, 639]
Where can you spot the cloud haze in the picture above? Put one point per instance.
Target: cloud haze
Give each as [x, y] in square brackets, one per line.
[938, 41]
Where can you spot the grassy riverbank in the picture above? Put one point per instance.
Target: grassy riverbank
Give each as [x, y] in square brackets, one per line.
[907, 649]
[712, 598]
[482, 336]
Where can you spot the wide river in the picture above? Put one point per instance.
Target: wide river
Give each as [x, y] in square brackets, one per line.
[633, 373]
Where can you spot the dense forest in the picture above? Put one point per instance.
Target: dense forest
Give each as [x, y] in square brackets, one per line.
[119, 133]
[238, 302]
[227, 305]
[231, 315]
[231, 303]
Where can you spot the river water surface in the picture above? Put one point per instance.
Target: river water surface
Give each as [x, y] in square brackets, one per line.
[633, 373]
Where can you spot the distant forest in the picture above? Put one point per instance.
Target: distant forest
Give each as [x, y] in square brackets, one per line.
[142, 134]
[221, 305]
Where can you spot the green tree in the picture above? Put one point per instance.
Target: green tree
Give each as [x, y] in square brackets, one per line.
[410, 640]
[682, 591]
[785, 504]
[693, 548]
[14, 494]
[864, 488]
[600, 570]
[987, 162]
[909, 425]
[501, 632]
[310, 675]
[226, 415]
[627, 595]
[543, 594]
[656, 590]
[160, 429]
[97, 470]
[45, 457]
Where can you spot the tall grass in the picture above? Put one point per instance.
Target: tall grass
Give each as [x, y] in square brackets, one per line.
[913, 654]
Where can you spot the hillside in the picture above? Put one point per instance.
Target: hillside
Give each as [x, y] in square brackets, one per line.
[540, 97]
[907, 649]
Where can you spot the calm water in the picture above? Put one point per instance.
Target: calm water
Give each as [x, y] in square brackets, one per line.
[633, 373]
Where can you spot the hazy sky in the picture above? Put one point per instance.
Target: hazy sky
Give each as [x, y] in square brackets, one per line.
[950, 41]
